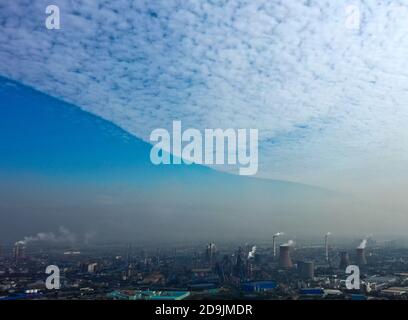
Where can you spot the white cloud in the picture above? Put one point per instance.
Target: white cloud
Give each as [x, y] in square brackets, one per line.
[329, 102]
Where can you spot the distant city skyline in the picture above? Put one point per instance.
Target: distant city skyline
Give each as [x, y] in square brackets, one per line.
[206, 271]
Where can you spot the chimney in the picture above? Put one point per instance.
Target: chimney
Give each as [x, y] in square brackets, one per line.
[19, 251]
[361, 259]
[326, 247]
[274, 245]
[344, 260]
[284, 257]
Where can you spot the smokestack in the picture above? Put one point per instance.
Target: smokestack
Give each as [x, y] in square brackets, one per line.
[344, 260]
[306, 269]
[361, 259]
[274, 242]
[284, 257]
[326, 245]
[19, 248]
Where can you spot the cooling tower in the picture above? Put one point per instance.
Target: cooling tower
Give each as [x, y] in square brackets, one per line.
[344, 260]
[306, 269]
[361, 259]
[284, 257]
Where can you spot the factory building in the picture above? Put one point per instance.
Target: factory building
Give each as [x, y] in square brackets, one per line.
[258, 286]
[306, 269]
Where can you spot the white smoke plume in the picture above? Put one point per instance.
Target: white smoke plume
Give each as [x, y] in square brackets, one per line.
[251, 254]
[363, 244]
[289, 243]
[328, 234]
[63, 235]
[278, 234]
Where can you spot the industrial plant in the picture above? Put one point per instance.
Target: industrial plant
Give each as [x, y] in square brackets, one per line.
[302, 269]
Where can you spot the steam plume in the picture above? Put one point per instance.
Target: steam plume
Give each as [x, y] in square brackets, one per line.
[251, 254]
[289, 243]
[363, 244]
[63, 235]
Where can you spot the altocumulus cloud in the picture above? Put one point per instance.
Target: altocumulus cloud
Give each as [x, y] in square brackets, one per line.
[329, 101]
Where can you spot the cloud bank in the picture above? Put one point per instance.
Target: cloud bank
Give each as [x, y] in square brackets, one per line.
[330, 102]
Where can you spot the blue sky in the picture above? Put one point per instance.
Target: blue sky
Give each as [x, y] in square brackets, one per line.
[330, 102]
[46, 136]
